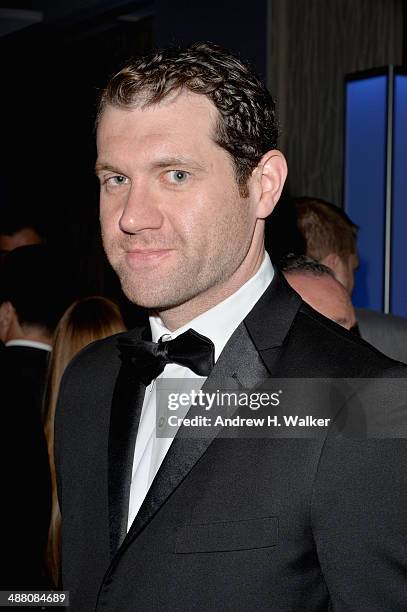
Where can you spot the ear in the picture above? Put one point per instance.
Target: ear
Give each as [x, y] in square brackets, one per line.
[332, 261]
[271, 174]
[7, 316]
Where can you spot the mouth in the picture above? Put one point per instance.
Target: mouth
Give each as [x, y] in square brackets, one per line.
[146, 255]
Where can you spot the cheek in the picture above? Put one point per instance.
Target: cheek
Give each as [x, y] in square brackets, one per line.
[104, 220]
[103, 209]
[192, 219]
[109, 232]
[109, 216]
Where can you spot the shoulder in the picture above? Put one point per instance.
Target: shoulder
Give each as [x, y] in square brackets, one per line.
[24, 354]
[328, 349]
[379, 319]
[86, 391]
[24, 368]
[92, 373]
[99, 357]
[386, 332]
[295, 340]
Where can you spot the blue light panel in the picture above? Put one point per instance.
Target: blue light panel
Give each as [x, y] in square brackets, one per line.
[365, 181]
[398, 291]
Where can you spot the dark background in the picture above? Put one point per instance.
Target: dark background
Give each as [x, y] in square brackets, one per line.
[55, 55]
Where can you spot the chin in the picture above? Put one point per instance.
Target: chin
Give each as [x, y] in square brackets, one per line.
[159, 299]
[151, 299]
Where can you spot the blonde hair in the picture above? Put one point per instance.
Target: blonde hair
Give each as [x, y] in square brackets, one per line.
[85, 321]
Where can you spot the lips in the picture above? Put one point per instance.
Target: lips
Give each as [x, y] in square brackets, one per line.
[146, 255]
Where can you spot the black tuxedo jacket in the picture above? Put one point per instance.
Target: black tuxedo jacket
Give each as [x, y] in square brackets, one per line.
[27, 368]
[386, 332]
[25, 479]
[235, 524]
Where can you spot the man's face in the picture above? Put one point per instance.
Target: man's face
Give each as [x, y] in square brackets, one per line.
[326, 295]
[174, 225]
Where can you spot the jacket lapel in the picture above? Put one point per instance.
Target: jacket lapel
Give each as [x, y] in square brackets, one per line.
[240, 365]
[127, 403]
[269, 322]
[247, 359]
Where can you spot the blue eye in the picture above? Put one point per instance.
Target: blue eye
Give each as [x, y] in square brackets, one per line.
[178, 176]
[117, 180]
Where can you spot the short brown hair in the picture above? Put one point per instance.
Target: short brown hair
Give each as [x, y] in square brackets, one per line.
[325, 228]
[302, 264]
[246, 126]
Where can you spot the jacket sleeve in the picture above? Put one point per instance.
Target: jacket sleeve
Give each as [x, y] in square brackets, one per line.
[359, 506]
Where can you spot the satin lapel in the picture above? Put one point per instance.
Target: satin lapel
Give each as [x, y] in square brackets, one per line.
[124, 420]
[240, 365]
[270, 320]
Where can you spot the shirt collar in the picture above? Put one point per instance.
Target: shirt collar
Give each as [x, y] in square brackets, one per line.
[30, 343]
[220, 322]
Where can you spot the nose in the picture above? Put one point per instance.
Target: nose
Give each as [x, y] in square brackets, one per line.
[141, 210]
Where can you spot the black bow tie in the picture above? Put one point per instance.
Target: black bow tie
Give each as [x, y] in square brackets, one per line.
[149, 359]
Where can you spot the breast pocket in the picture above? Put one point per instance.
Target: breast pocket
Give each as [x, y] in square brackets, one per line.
[227, 535]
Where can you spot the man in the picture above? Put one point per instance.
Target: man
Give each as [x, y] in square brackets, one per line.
[28, 313]
[189, 171]
[13, 234]
[331, 238]
[317, 286]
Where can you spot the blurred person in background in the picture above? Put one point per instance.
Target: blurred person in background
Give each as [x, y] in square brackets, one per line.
[13, 234]
[30, 307]
[22, 235]
[330, 237]
[317, 286]
[85, 321]
[17, 231]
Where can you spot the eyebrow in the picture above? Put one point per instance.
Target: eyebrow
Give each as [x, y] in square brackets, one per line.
[163, 162]
[170, 160]
[100, 166]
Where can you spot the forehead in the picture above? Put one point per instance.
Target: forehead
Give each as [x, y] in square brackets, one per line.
[186, 119]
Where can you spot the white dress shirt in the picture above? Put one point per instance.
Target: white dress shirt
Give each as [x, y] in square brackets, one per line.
[218, 324]
[30, 343]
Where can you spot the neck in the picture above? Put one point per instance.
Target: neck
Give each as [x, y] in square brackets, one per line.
[176, 317]
[31, 333]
